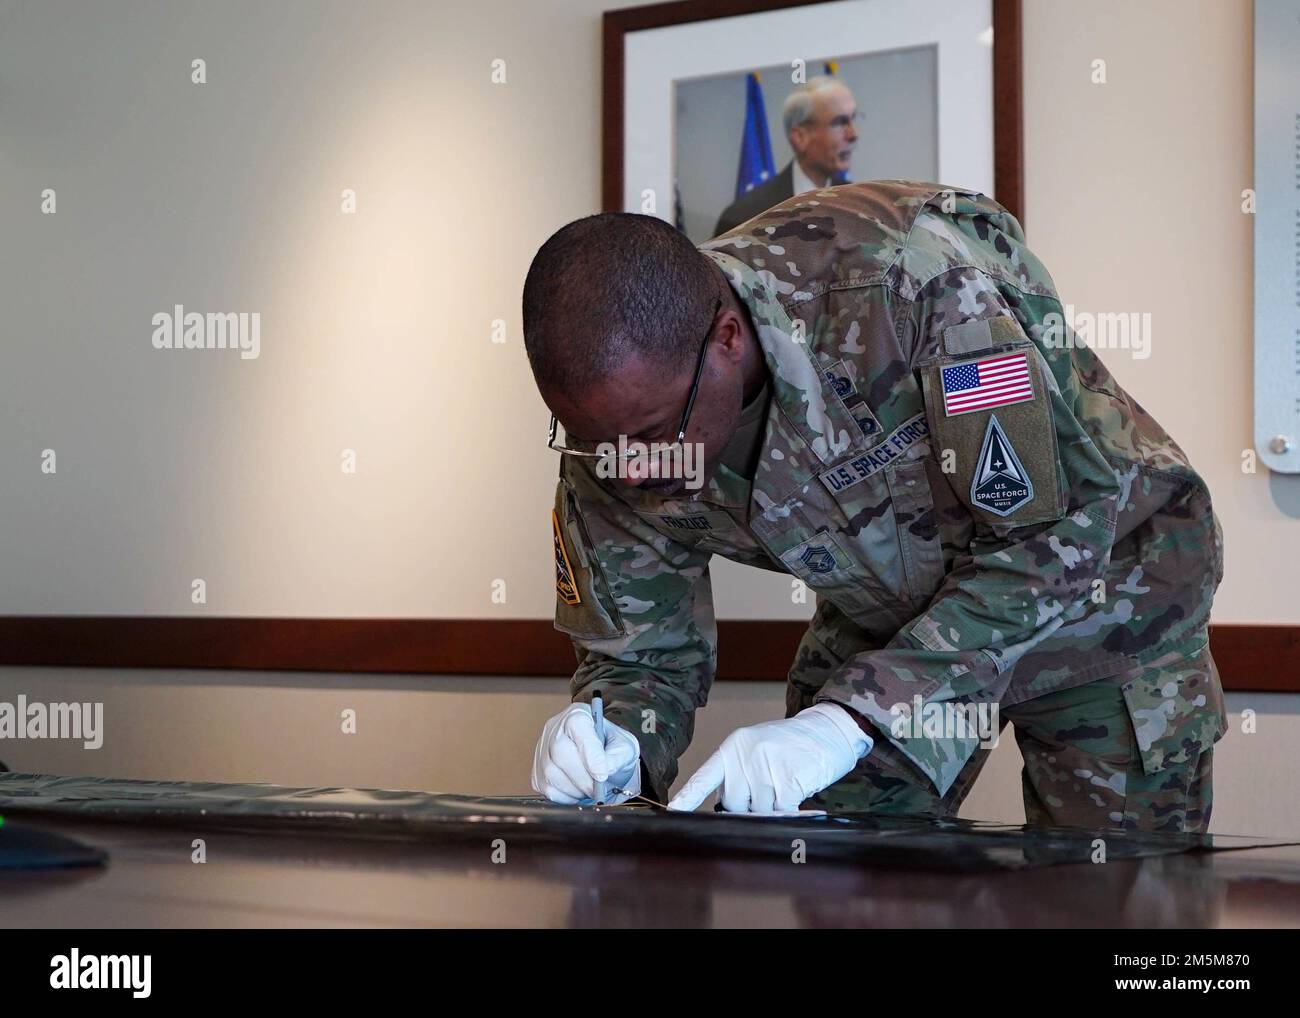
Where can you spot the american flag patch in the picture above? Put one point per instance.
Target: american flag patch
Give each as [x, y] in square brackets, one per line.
[988, 383]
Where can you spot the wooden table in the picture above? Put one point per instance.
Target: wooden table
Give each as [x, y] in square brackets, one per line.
[288, 880]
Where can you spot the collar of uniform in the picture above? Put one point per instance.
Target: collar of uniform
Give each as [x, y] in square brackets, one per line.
[799, 388]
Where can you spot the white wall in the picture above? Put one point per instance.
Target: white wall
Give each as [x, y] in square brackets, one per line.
[1134, 202]
[375, 336]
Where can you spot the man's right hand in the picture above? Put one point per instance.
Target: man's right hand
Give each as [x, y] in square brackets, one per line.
[569, 759]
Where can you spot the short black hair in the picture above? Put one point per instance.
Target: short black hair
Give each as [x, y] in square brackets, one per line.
[608, 286]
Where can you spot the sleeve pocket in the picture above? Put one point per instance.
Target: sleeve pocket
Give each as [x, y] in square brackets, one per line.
[584, 605]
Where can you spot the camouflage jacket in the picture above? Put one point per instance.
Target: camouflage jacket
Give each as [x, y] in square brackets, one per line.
[941, 461]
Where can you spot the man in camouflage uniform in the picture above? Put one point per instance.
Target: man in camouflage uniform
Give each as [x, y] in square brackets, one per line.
[985, 515]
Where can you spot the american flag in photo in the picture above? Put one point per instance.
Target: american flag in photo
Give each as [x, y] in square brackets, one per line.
[983, 384]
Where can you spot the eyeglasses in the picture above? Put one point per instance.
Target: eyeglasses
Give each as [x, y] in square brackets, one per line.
[588, 449]
[844, 119]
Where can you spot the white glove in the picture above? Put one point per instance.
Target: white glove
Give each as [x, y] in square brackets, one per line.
[569, 759]
[774, 766]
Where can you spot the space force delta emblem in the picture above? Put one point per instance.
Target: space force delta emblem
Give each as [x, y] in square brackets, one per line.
[1001, 484]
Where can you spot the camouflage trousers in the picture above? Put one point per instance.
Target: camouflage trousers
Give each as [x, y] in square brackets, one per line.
[1083, 766]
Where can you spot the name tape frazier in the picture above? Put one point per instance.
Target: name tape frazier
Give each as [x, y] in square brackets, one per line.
[703, 523]
[879, 456]
[687, 522]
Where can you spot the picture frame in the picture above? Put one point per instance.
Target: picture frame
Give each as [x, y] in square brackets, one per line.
[652, 53]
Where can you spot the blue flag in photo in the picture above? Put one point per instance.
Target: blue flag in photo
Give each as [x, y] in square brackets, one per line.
[755, 145]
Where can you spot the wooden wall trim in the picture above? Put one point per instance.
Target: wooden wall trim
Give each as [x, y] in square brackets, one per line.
[1250, 658]
[1008, 110]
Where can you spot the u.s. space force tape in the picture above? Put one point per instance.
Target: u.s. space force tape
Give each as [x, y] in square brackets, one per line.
[879, 456]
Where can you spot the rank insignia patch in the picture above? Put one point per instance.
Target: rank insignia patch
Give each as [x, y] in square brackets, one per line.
[1001, 484]
[818, 558]
[565, 587]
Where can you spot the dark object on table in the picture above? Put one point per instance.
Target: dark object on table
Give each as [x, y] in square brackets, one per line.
[435, 819]
[26, 847]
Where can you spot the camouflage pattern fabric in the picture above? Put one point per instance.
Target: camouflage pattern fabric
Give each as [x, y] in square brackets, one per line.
[975, 554]
[1088, 755]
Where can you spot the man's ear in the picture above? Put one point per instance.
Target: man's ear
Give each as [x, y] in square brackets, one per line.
[797, 140]
[730, 336]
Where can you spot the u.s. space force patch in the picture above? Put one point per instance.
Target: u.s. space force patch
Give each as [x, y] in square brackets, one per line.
[1001, 484]
[879, 456]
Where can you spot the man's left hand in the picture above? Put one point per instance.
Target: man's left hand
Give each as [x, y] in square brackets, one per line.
[774, 766]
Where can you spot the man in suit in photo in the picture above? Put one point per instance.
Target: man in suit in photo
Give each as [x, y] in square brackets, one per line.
[820, 120]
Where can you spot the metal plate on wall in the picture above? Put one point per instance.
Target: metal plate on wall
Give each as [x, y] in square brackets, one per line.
[1277, 234]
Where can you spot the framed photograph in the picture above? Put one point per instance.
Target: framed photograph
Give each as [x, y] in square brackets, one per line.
[716, 110]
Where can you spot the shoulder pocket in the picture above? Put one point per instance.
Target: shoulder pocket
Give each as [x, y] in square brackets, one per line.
[993, 428]
[584, 605]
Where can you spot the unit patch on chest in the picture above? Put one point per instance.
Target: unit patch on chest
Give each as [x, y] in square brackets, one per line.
[842, 382]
